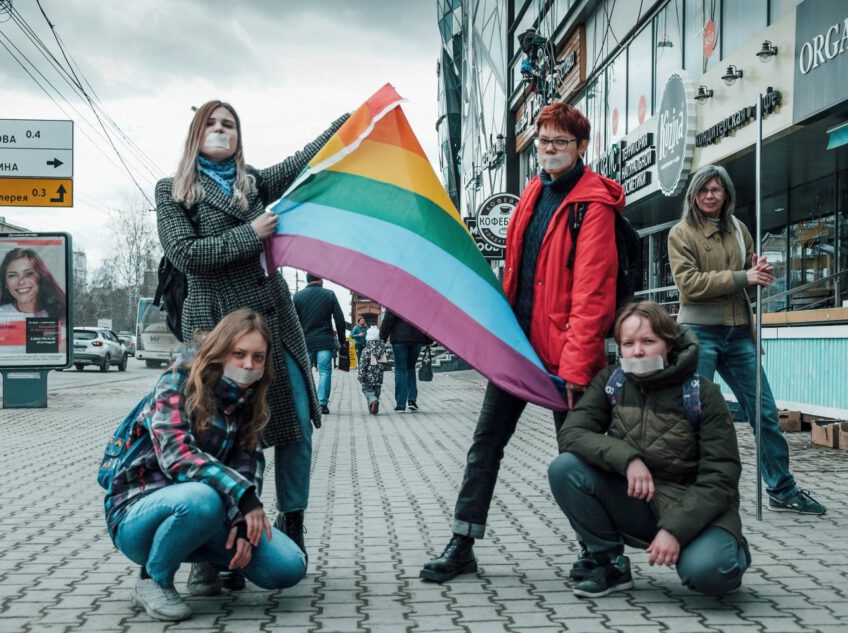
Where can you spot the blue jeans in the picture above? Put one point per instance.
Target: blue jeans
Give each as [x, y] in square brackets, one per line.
[406, 383]
[498, 418]
[293, 460]
[731, 351]
[323, 360]
[187, 523]
[596, 504]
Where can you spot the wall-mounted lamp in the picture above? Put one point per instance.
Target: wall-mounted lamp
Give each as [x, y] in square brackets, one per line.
[768, 51]
[731, 75]
[703, 94]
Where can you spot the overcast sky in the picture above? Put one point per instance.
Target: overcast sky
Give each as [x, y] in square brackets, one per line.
[289, 67]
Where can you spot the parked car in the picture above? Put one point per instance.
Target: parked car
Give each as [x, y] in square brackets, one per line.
[129, 342]
[100, 347]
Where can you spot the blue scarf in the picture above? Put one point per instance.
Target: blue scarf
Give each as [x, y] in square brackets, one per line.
[223, 173]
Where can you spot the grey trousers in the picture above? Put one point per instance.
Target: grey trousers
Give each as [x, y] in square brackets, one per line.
[596, 504]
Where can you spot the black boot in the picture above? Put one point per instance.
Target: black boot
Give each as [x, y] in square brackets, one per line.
[294, 529]
[458, 558]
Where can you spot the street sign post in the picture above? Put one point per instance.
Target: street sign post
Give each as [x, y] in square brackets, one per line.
[36, 163]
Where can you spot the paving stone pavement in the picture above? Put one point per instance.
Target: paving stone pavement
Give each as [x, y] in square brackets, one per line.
[383, 490]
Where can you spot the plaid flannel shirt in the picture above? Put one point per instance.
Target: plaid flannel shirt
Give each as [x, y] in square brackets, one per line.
[176, 455]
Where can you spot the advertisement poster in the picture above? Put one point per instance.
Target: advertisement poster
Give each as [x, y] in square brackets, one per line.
[34, 299]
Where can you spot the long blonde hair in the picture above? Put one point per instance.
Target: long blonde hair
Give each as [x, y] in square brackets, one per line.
[207, 367]
[187, 189]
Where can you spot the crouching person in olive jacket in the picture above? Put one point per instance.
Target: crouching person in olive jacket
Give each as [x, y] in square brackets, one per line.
[638, 466]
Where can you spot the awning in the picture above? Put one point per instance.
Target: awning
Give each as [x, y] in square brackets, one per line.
[837, 136]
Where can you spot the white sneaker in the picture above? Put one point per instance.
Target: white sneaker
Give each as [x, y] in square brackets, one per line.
[160, 603]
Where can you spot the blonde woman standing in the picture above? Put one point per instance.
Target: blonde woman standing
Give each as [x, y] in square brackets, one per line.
[212, 221]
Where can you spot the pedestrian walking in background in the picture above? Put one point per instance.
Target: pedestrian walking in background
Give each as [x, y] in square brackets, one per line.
[358, 335]
[319, 312]
[649, 458]
[372, 364]
[714, 266]
[565, 310]
[407, 341]
[211, 224]
[192, 492]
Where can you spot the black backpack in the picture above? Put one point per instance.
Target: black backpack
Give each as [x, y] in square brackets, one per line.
[172, 289]
[629, 246]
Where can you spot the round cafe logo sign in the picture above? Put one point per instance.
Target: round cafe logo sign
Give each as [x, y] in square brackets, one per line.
[493, 218]
[675, 133]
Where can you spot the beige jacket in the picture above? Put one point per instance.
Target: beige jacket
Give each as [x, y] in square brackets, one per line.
[709, 272]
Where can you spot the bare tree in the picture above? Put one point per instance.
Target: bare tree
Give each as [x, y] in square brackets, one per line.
[137, 251]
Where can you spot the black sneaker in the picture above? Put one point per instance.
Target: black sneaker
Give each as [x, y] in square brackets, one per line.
[605, 579]
[400, 408]
[325, 409]
[232, 580]
[413, 406]
[583, 565]
[798, 501]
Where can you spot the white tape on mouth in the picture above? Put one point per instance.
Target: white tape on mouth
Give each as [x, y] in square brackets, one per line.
[217, 140]
[642, 366]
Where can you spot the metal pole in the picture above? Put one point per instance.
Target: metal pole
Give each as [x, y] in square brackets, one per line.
[758, 328]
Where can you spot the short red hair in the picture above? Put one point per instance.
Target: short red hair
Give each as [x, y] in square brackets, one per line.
[565, 117]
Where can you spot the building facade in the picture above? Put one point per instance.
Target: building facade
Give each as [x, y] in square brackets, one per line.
[669, 86]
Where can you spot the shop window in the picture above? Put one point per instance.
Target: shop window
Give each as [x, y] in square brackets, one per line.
[812, 248]
[703, 44]
[657, 277]
[775, 218]
[616, 107]
[639, 85]
[668, 44]
[775, 250]
[595, 101]
[778, 8]
[748, 18]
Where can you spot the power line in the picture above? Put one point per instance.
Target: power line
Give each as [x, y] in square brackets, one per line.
[144, 160]
[91, 105]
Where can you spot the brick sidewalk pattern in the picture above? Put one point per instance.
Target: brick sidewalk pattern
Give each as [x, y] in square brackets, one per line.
[383, 490]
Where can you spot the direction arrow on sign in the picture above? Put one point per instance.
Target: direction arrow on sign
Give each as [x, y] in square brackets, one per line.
[36, 192]
[36, 163]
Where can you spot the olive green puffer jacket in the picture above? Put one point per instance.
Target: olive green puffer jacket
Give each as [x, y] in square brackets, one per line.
[695, 471]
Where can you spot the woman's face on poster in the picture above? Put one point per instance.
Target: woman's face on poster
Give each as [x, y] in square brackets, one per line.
[22, 281]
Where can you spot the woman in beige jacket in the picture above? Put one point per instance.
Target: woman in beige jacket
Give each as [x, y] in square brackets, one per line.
[714, 264]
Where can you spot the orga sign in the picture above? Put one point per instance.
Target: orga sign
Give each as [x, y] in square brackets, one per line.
[492, 222]
[675, 133]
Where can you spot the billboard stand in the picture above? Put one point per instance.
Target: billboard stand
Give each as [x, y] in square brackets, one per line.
[36, 329]
[24, 389]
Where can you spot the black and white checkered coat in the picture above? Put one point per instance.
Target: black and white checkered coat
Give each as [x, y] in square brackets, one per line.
[221, 262]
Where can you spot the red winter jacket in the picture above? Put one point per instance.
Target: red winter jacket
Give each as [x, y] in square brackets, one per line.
[573, 308]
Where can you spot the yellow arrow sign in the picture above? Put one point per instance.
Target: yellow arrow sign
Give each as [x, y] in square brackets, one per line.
[36, 192]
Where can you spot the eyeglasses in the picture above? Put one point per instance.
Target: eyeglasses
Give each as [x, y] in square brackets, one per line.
[558, 143]
[714, 191]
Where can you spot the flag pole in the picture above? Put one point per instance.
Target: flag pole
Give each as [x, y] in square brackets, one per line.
[758, 327]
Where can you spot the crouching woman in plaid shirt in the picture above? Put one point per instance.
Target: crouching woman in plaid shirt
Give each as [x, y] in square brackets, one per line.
[192, 495]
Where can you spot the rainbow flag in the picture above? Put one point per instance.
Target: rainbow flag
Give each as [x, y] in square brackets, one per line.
[369, 213]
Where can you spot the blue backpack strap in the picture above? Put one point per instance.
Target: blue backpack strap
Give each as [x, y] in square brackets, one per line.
[692, 400]
[614, 384]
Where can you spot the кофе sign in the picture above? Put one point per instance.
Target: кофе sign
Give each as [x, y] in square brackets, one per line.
[492, 222]
[821, 57]
[675, 133]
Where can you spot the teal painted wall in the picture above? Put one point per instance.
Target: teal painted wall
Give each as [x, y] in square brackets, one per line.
[812, 371]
